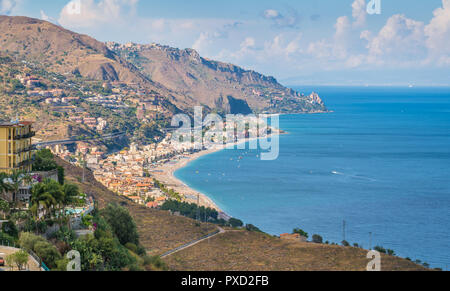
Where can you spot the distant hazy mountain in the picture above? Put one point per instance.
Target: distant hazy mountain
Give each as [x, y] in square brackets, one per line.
[182, 76]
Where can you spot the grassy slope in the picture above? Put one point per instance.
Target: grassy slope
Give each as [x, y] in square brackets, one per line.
[247, 251]
[159, 231]
[234, 250]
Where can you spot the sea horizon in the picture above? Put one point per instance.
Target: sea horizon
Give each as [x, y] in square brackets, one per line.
[365, 144]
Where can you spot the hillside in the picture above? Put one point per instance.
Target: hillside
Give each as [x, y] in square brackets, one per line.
[234, 250]
[159, 231]
[251, 251]
[214, 84]
[68, 53]
[182, 77]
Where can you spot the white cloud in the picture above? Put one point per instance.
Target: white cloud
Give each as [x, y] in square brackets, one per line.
[401, 39]
[271, 14]
[9, 6]
[437, 33]
[288, 19]
[249, 42]
[92, 13]
[359, 13]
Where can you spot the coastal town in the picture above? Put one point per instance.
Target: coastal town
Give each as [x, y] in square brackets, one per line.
[134, 171]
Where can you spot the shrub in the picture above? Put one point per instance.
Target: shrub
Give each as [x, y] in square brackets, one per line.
[48, 253]
[6, 238]
[10, 229]
[122, 224]
[132, 247]
[28, 240]
[251, 227]
[390, 252]
[380, 249]
[301, 232]
[317, 239]
[154, 264]
[235, 222]
[345, 243]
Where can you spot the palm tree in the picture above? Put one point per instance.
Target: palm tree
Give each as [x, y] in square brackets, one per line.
[49, 194]
[16, 179]
[71, 193]
[4, 207]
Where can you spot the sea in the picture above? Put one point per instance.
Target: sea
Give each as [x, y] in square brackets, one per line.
[375, 171]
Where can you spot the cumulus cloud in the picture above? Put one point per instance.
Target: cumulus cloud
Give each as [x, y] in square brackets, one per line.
[90, 13]
[359, 13]
[401, 39]
[437, 33]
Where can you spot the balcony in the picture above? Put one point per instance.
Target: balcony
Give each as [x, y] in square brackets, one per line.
[24, 163]
[24, 150]
[25, 136]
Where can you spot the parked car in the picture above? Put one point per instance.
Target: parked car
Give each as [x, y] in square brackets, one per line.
[2, 261]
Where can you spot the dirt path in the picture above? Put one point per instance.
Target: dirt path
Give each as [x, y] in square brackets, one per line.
[191, 244]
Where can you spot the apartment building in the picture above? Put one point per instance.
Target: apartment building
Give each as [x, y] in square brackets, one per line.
[15, 146]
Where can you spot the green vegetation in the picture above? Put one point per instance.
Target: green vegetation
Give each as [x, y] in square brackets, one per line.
[192, 210]
[20, 259]
[113, 246]
[317, 239]
[301, 232]
[169, 192]
[122, 224]
[45, 161]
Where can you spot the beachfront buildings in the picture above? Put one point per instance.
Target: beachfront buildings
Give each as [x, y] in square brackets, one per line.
[15, 146]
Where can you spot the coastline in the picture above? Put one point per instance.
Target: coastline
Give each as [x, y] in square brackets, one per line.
[166, 174]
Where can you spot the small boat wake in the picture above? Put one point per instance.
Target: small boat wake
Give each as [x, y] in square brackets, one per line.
[358, 177]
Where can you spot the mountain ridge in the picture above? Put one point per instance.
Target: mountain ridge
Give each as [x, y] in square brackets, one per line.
[181, 76]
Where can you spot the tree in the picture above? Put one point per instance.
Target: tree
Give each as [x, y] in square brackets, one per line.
[251, 227]
[15, 180]
[48, 253]
[235, 222]
[4, 207]
[5, 186]
[44, 161]
[301, 232]
[20, 259]
[71, 193]
[10, 229]
[345, 243]
[122, 224]
[50, 194]
[317, 239]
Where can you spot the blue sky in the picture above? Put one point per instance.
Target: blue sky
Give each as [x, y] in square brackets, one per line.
[320, 42]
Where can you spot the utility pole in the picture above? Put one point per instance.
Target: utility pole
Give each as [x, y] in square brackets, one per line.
[343, 229]
[198, 207]
[84, 167]
[370, 241]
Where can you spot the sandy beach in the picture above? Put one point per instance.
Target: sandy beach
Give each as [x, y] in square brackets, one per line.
[165, 174]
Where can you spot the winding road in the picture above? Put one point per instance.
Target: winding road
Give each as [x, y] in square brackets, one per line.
[193, 243]
[74, 140]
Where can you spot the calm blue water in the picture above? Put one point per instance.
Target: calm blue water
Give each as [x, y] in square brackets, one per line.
[381, 162]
